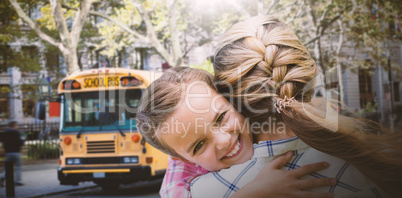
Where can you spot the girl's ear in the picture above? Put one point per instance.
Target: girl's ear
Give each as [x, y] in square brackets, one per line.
[315, 67]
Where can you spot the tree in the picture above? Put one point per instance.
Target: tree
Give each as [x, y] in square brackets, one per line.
[138, 21]
[10, 31]
[68, 39]
[375, 28]
[169, 26]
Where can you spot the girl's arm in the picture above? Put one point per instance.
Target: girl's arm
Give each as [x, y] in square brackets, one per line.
[273, 182]
[177, 179]
[270, 182]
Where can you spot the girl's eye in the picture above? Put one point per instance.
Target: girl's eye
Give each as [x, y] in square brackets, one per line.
[198, 146]
[220, 117]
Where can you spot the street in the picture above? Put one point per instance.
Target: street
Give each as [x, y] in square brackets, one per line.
[40, 180]
[148, 189]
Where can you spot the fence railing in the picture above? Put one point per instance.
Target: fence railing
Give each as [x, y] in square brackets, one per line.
[34, 131]
[42, 144]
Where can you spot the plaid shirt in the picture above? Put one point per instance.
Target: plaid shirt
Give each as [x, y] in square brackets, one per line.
[178, 176]
[351, 183]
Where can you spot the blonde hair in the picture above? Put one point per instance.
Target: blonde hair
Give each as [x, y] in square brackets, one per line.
[162, 98]
[260, 61]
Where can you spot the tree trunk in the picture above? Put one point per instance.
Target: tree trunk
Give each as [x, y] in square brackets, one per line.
[339, 66]
[71, 60]
[340, 83]
[260, 7]
[152, 37]
[319, 62]
[174, 33]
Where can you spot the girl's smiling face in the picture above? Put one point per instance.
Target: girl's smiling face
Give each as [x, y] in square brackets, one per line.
[207, 130]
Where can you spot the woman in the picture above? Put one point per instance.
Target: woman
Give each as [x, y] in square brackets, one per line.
[270, 74]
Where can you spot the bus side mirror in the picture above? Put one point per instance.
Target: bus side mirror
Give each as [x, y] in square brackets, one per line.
[40, 111]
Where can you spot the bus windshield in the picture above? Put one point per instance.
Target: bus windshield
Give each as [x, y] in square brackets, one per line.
[100, 110]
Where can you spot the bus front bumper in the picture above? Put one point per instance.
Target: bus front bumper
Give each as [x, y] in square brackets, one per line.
[120, 174]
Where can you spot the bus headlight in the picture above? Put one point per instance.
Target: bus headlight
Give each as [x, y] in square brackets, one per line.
[77, 161]
[73, 161]
[130, 160]
[126, 160]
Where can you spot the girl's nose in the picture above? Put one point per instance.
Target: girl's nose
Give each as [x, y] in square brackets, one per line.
[222, 140]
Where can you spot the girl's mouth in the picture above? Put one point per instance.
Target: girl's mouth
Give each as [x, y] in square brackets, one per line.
[236, 148]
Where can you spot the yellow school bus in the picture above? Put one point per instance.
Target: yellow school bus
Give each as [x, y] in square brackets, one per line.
[99, 140]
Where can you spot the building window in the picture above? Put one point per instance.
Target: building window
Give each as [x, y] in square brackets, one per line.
[28, 59]
[4, 105]
[53, 60]
[28, 104]
[4, 108]
[30, 51]
[365, 88]
[396, 92]
[6, 55]
[28, 107]
[332, 81]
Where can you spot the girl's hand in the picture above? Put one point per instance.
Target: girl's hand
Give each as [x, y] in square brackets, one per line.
[273, 182]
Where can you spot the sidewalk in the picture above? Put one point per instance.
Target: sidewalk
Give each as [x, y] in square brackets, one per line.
[41, 179]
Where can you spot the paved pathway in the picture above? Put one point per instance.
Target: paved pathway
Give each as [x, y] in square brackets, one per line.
[41, 179]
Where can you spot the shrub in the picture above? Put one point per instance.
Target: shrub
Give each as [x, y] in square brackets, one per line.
[40, 150]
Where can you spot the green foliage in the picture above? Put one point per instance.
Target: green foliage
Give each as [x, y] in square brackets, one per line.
[47, 23]
[4, 90]
[47, 20]
[26, 62]
[113, 37]
[29, 91]
[38, 151]
[370, 108]
[8, 29]
[204, 21]
[206, 65]
[374, 31]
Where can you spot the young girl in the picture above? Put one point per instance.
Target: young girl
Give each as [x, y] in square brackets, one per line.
[182, 106]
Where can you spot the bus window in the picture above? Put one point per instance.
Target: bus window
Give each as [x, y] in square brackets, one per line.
[81, 111]
[133, 103]
[93, 115]
[77, 109]
[102, 111]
